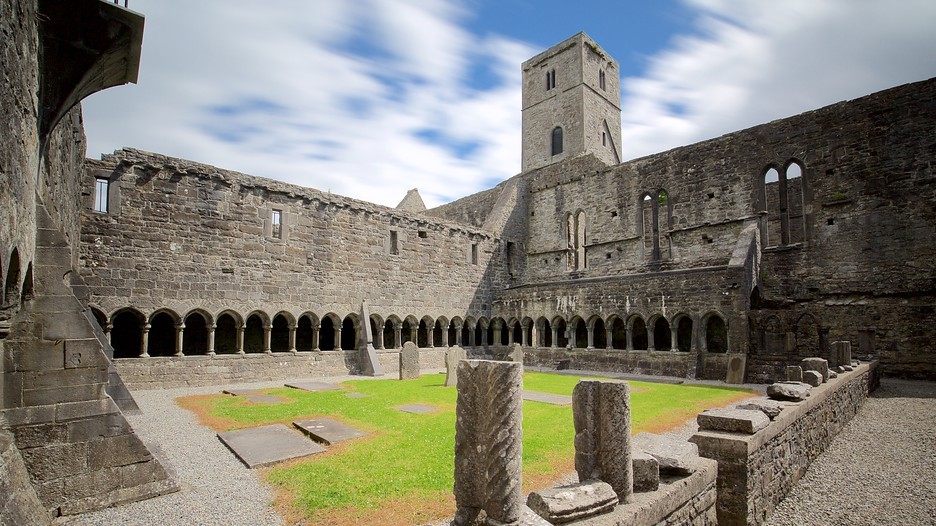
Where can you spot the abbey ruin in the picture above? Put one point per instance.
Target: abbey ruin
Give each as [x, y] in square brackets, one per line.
[728, 259]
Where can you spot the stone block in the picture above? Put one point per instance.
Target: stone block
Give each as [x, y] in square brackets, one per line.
[646, 471]
[409, 361]
[813, 378]
[75, 410]
[40, 435]
[736, 365]
[97, 482]
[675, 457]
[601, 415]
[57, 395]
[419, 409]
[788, 391]
[771, 408]
[84, 353]
[794, 373]
[843, 351]
[35, 356]
[821, 365]
[745, 421]
[55, 462]
[94, 428]
[116, 451]
[833, 374]
[569, 503]
[268, 445]
[453, 355]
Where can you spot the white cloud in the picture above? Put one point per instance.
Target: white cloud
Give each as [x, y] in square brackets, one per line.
[750, 62]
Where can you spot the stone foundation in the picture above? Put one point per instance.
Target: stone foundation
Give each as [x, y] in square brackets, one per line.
[755, 472]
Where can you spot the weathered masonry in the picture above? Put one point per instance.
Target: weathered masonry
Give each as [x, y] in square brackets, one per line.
[727, 259]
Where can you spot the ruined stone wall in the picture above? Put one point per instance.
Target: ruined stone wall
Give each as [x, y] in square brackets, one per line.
[755, 472]
[471, 210]
[188, 236]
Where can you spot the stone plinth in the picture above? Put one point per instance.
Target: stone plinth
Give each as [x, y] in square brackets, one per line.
[745, 421]
[601, 414]
[842, 350]
[488, 442]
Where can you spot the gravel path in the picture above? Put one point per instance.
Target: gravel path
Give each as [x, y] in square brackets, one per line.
[881, 470]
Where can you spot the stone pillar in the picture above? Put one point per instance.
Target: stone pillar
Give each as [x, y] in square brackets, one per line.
[674, 343]
[292, 339]
[555, 337]
[471, 336]
[397, 336]
[458, 335]
[315, 337]
[629, 336]
[337, 346]
[240, 340]
[107, 331]
[497, 333]
[267, 330]
[601, 414]
[489, 442]
[430, 336]
[842, 351]
[211, 339]
[144, 341]
[414, 335]
[534, 335]
[591, 336]
[179, 329]
[609, 338]
[651, 341]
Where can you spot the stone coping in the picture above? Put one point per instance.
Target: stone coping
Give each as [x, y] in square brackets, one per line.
[654, 506]
[792, 411]
[253, 355]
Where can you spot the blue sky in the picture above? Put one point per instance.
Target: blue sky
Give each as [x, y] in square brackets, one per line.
[373, 97]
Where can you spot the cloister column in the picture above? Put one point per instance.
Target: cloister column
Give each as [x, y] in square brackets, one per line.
[240, 340]
[651, 344]
[555, 337]
[398, 335]
[458, 333]
[609, 335]
[510, 335]
[674, 344]
[144, 341]
[378, 338]
[107, 331]
[430, 337]
[337, 346]
[211, 339]
[629, 336]
[267, 334]
[524, 339]
[414, 335]
[497, 333]
[178, 338]
[534, 335]
[292, 339]
[315, 337]
[591, 336]
[471, 336]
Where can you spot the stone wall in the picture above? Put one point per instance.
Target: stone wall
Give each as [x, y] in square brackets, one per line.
[191, 371]
[755, 472]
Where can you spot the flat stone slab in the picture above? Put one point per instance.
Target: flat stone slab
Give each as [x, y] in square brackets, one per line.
[314, 386]
[419, 409]
[547, 398]
[771, 408]
[237, 391]
[675, 457]
[747, 421]
[788, 391]
[264, 399]
[573, 502]
[328, 431]
[356, 395]
[267, 445]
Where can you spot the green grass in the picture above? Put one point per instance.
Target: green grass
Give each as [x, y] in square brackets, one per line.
[409, 458]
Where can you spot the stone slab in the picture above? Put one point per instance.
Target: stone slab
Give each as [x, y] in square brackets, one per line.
[675, 457]
[771, 408]
[573, 502]
[789, 391]
[314, 386]
[328, 431]
[747, 421]
[237, 391]
[267, 445]
[547, 398]
[264, 399]
[419, 409]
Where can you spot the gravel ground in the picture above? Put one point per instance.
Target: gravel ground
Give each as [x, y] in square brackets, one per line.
[856, 482]
[881, 470]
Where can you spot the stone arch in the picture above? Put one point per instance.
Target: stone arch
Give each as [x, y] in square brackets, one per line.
[410, 327]
[440, 332]
[127, 332]
[454, 331]
[578, 332]
[555, 141]
[618, 332]
[596, 327]
[255, 332]
[807, 336]
[795, 172]
[228, 324]
[376, 326]
[637, 329]
[11, 287]
[279, 331]
[662, 338]
[195, 333]
[162, 333]
[481, 331]
[27, 291]
[306, 331]
[526, 331]
[99, 317]
[424, 331]
[328, 331]
[544, 331]
[683, 324]
[467, 334]
[390, 326]
[560, 327]
[716, 333]
[350, 329]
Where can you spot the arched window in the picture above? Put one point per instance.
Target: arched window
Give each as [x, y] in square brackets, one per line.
[550, 79]
[652, 206]
[575, 237]
[601, 80]
[556, 141]
[781, 198]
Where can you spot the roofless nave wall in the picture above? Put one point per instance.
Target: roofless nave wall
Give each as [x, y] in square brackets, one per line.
[760, 246]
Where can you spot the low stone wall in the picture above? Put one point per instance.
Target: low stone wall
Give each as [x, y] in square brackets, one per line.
[194, 371]
[655, 363]
[755, 472]
[686, 501]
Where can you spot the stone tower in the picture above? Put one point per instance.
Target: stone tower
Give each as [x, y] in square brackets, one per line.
[571, 104]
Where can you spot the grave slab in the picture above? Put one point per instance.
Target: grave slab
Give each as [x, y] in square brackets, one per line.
[238, 391]
[267, 445]
[548, 398]
[419, 409]
[328, 431]
[264, 399]
[314, 386]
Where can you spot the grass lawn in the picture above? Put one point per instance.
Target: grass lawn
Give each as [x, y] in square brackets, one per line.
[402, 472]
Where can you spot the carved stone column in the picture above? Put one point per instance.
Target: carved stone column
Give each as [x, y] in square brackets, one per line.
[179, 330]
[601, 414]
[211, 339]
[144, 341]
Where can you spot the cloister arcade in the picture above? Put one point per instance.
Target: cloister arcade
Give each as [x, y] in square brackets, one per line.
[164, 332]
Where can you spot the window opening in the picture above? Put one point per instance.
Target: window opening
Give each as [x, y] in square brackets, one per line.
[276, 219]
[556, 140]
[550, 79]
[474, 253]
[394, 243]
[601, 80]
[101, 190]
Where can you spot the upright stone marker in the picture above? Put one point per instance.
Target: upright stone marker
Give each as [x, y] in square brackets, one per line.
[454, 355]
[736, 365]
[842, 350]
[601, 414]
[370, 365]
[488, 442]
[794, 373]
[820, 365]
[409, 361]
[516, 354]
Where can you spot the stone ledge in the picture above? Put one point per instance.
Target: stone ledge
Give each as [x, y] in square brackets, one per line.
[648, 509]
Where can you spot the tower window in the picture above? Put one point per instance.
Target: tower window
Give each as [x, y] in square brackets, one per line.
[556, 140]
[550, 79]
[601, 80]
[101, 189]
[474, 253]
[604, 139]
[276, 222]
[394, 242]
